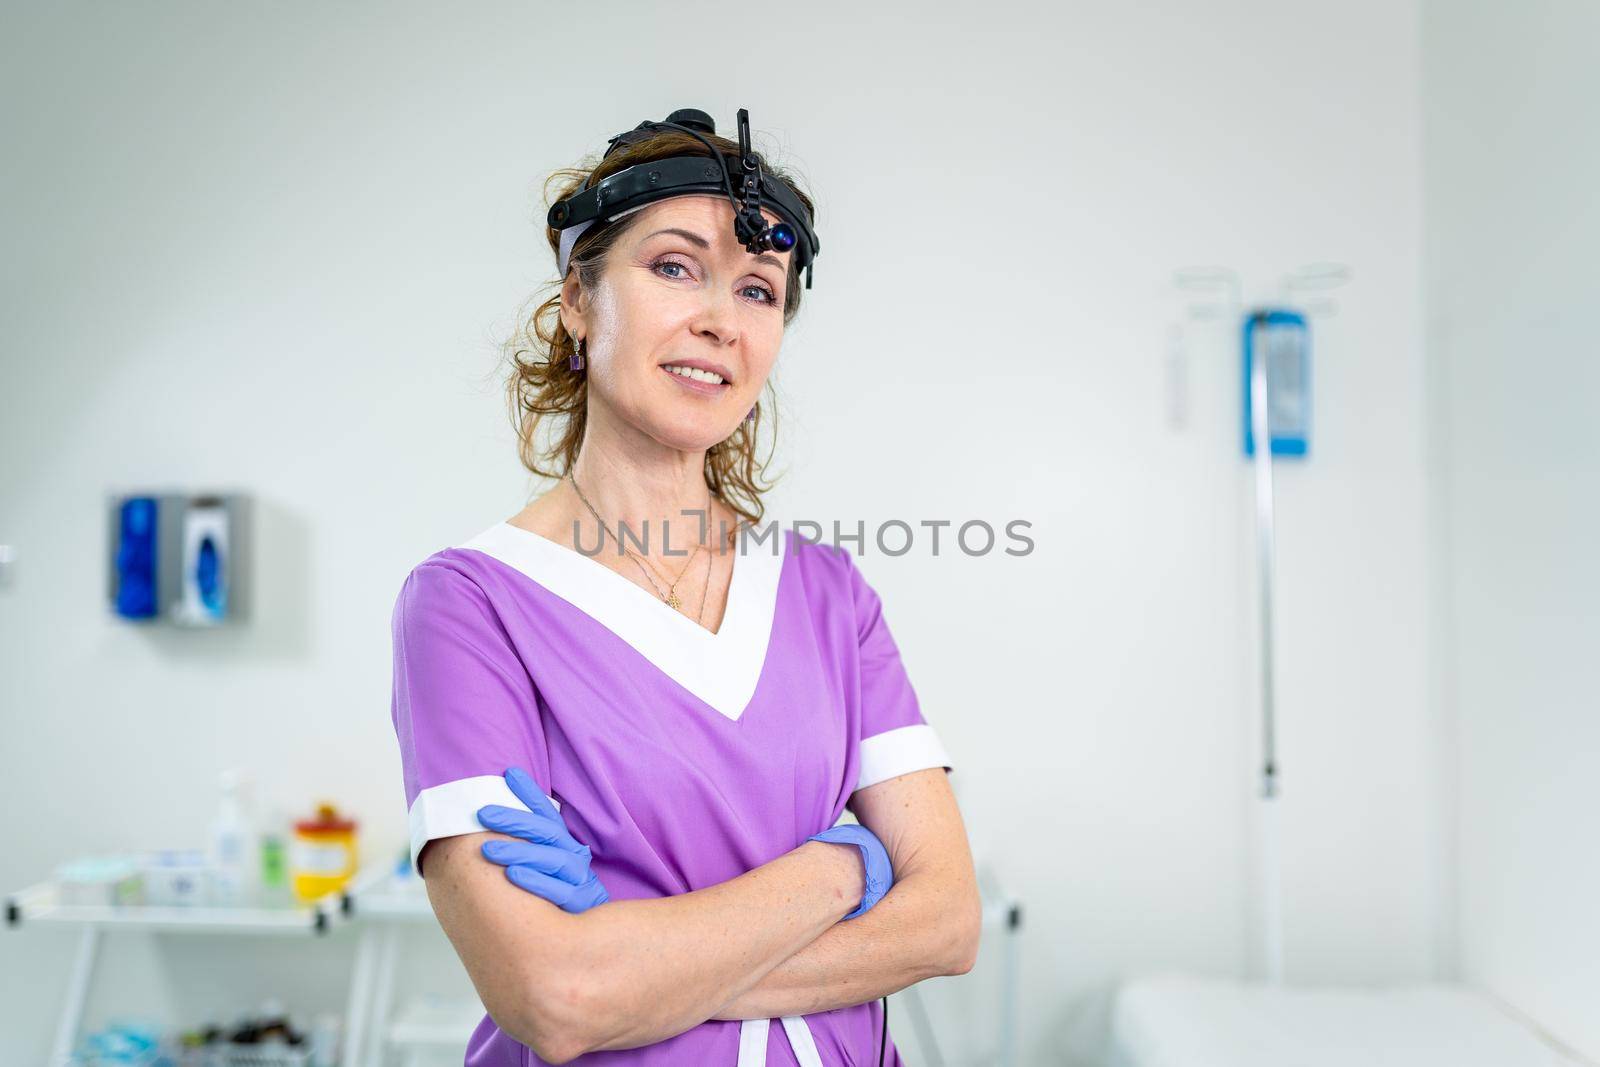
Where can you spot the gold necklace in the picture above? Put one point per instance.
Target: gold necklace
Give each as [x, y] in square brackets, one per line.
[701, 618]
[652, 564]
[722, 544]
[671, 595]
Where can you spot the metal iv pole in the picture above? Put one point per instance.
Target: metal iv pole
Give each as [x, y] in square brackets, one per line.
[1271, 862]
[1316, 276]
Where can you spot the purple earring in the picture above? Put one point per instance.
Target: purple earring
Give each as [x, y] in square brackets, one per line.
[575, 361]
[750, 416]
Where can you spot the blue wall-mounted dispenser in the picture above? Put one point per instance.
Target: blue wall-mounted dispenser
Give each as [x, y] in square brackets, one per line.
[207, 551]
[178, 557]
[136, 567]
[1282, 340]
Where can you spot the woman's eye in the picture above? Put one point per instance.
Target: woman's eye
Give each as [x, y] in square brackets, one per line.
[767, 296]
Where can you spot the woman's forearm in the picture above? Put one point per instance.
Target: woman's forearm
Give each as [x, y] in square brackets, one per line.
[913, 933]
[656, 968]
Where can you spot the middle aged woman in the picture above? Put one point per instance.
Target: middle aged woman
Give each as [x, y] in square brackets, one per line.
[698, 710]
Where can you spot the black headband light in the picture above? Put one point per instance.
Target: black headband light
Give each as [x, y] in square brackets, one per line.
[742, 179]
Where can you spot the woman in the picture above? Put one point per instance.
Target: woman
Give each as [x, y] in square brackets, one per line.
[698, 710]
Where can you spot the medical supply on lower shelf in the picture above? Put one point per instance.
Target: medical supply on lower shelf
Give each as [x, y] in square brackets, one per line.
[267, 1038]
[122, 1042]
[322, 857]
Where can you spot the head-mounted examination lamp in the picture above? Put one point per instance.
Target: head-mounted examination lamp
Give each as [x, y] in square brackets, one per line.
[643, 184]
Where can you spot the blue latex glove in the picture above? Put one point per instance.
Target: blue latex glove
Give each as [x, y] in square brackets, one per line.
[548, 862]
[874, 858]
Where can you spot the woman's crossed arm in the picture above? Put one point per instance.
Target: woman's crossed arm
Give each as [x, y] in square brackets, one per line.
[632, 972]
[925, 926]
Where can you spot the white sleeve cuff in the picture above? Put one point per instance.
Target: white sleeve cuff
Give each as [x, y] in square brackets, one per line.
[900, 751]
[451, 808]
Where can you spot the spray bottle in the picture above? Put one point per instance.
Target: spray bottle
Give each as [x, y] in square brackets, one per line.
[232, 846]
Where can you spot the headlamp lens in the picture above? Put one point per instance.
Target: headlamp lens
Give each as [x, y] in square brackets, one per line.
[781, 237]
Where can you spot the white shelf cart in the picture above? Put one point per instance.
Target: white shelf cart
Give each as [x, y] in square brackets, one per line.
[41, 904]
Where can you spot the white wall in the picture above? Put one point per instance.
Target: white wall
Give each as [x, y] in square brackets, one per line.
[1513, 160]
[273, 248]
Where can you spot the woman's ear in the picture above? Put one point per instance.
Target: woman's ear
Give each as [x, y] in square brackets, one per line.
[572, 297]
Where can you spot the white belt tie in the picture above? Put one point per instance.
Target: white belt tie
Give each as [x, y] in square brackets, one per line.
[753, 1041]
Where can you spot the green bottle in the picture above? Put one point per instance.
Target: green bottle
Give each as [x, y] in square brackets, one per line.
[275, 867]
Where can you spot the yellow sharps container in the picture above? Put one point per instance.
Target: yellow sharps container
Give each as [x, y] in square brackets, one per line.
[322, 857]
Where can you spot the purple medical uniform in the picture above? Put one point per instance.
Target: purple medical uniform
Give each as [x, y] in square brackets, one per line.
[681, 757]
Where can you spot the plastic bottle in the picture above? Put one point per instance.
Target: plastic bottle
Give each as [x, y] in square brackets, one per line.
[232, 846]
[275, 891]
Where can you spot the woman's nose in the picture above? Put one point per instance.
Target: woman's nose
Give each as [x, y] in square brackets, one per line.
[717, 317]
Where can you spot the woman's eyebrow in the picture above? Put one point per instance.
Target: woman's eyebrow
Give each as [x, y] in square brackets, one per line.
[700, 242]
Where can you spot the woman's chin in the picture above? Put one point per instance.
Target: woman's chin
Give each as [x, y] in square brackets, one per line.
[692, 433]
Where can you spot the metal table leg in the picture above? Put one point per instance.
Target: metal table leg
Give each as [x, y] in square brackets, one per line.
[1010, 981]
[382, 997]
[77, 994]
[355, 1013]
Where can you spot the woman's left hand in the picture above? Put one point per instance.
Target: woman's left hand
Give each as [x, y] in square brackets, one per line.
[548, 861]
[877, 869]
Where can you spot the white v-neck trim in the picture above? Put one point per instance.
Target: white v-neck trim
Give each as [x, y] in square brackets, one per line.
[722, 668]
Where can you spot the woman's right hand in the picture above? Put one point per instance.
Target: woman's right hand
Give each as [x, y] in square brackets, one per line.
[548, 862]
[879, 872]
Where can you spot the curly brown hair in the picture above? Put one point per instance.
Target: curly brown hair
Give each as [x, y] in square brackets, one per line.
[540, 385]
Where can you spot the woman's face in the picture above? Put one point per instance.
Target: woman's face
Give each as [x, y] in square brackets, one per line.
[680, 290]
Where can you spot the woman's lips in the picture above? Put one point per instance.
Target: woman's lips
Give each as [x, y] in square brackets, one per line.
[707, 388]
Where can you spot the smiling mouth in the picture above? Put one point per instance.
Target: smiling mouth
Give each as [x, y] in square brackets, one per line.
[696, 376]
